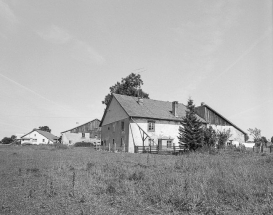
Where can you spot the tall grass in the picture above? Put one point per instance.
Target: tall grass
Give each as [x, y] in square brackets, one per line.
[83, 181]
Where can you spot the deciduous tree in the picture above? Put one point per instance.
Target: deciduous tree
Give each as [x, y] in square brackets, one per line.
[45, 128]
[256, 134]
[129, 86]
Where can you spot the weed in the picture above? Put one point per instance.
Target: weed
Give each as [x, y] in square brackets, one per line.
[137, 176]
[19, 172]
[89, 166]
[110, 189]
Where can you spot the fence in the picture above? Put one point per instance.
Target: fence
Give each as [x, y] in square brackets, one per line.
[261, 149]
[156, 150]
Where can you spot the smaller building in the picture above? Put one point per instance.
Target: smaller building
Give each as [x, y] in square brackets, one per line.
[87, 132]
[38, 137]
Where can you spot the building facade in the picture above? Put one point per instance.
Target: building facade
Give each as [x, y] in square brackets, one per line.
[130, 121]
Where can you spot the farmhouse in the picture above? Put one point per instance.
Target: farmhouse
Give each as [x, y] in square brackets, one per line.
[130, 122]
[87, 132]
[38, 137]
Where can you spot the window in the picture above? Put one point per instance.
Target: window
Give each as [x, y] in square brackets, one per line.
[43, 140]
[108, 128]
[83, 135]
[151, 126]
[122, 126]
[70, 141]
[34, 140]
[169, 144]
[114, 127]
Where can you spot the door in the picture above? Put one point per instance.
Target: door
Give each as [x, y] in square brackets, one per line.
[159, 144]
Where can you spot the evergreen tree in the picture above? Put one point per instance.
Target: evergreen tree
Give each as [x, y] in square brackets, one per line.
[191, 131]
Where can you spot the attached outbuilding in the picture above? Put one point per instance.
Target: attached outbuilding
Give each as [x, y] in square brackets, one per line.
[87, 132]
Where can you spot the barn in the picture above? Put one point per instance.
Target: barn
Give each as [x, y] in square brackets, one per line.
[87, 132]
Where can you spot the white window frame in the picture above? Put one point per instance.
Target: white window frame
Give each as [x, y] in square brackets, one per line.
[151, 125]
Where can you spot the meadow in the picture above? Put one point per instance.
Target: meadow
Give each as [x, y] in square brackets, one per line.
[48, 180]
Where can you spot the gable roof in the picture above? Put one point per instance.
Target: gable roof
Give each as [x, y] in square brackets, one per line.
[47, 135]
[151, 109]
[223, 118]
[80, 125]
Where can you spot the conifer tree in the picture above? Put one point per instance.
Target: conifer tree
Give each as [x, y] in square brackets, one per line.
[191, 131]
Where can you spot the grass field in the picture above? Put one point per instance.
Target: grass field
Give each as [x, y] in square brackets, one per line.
[46, 180]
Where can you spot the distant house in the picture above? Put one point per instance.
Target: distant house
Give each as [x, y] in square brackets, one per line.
[130, 121]
[87, 132]
[38, 137]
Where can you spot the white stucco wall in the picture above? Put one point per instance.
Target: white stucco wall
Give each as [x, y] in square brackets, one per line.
[35, 138]
[114, 113]
[72, 138]
[162, 129]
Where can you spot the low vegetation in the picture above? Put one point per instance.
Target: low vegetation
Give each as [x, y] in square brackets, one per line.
[46, 180]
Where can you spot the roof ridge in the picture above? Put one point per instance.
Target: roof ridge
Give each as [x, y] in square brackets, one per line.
[147, 98]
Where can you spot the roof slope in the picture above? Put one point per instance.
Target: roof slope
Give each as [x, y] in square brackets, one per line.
[47, 135]
[80, 125]
[152, 109]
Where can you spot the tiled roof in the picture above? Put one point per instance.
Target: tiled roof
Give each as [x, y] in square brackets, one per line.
[47, 135]
[152, 109]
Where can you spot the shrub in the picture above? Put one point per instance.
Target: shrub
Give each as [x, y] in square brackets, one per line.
[83, 144]
[223, 137]
[60, 146]
[210, 137]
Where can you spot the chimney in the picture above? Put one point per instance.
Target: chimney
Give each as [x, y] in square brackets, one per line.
[140, 101]
[174, 108]
[202, 103]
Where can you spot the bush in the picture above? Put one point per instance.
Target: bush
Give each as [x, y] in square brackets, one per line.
[83, 144]
[60, 146]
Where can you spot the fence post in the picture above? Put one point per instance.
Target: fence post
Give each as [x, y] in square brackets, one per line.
[150, 149]
[174, 149]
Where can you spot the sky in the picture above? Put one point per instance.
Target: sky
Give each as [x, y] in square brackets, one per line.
[58, 58]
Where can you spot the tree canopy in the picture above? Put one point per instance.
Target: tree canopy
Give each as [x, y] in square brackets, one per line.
[256, 134]
[8, 140]
[129, 86]
[191, 131]
[44, 128]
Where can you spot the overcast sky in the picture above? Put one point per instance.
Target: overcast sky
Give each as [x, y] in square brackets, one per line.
[58, 58]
